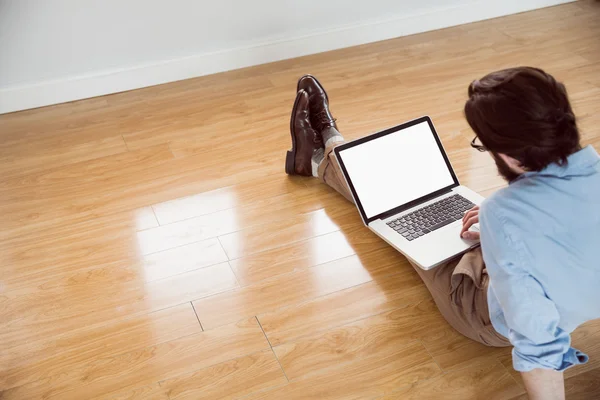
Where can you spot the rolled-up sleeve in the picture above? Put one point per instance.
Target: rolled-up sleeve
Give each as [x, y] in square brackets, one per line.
[531, 317]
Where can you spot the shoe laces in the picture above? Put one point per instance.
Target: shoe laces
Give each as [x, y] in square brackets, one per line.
[324, 118]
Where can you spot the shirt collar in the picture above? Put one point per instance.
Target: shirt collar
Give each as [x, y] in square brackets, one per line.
[579, 163]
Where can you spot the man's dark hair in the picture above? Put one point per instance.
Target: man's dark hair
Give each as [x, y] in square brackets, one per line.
[524, 113]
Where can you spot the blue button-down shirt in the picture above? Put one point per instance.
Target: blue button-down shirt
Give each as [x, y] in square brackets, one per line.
[540, 238]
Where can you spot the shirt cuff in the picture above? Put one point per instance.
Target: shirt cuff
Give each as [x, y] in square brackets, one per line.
[571, 358]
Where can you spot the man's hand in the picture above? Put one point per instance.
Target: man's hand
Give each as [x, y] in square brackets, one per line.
[470, 218]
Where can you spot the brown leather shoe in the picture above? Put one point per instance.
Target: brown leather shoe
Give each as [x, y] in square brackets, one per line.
[320, 116]
[304, 139]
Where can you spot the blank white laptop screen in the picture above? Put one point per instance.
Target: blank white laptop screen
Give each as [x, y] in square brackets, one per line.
[396, 169]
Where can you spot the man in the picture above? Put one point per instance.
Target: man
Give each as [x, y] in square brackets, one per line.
[540, 235]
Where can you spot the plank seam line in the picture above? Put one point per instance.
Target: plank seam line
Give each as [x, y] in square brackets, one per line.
[268, 341]
[197, 317]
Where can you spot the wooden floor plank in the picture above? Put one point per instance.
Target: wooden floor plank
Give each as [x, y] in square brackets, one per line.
[374, 336]
[35, 361]
[153, 124]
[343, 307]
[30, 158]
[186, 258]
[152, 392]
[485, 380]
[41, 199]
[163, 361]
[452, 351]
[227, 197]
[367, 378]
[229, 380]
[130, 270]
[583, 386]
[186, 232]
[31, 261]
[266, 237]
[293, 257]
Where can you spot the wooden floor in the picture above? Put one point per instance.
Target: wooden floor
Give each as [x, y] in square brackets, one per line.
[153, 248]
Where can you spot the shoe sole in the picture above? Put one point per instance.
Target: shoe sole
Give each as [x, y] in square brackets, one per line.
[318, 83]
[290, 158]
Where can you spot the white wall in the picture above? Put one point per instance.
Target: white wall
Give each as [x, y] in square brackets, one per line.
[53, 51]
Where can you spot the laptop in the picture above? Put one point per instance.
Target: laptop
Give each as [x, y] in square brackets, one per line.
[407, 192]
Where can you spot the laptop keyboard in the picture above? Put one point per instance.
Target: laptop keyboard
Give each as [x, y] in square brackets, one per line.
[432, 217]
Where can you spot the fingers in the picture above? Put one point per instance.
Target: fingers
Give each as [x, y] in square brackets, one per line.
[469, 223]
[470, 218]
[474, 210]
[471, 235]
[464, 233]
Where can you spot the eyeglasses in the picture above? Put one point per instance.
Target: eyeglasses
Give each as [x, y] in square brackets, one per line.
[477, 146]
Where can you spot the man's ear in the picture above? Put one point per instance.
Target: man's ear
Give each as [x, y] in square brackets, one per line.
[513, 163]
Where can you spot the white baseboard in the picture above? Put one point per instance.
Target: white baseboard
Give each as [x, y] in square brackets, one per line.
[105, 82]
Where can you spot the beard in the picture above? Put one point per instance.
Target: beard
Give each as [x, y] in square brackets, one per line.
[503, 169]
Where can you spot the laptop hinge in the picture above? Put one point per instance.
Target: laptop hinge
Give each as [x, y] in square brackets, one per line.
[413, 204]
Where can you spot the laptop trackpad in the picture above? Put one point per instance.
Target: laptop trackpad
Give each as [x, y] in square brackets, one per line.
[441, 245]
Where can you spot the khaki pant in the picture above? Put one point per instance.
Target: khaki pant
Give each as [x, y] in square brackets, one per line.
[459, 287]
